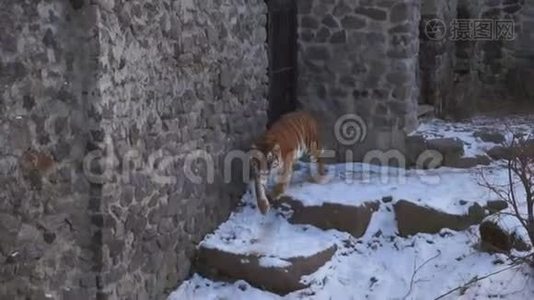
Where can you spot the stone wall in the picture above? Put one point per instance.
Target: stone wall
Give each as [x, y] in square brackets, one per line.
[522, 75]
[437, 55]
[360, 56]
[493, 60]
[100, 100]
[177, 76]
[47, 75]
[462, 77]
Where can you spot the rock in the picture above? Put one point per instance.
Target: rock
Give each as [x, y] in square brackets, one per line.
[490, 137]
[413, 218]
[507, 152]
[309, 22]
[373, 13]
[317, 53]
[476, 212]
[351, 219]
[228, 266]
[447, 145]
[425, 110]
[76, 4]
[452, 150]
[387, 199]
[496, 206]
[499, 152]
[415, 146]
[330, 21]
[499, 233]
[399, 12]
[338, 37]
[352, 22]
[467, 162]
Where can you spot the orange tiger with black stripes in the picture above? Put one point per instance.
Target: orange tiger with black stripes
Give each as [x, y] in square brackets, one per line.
[287, 140]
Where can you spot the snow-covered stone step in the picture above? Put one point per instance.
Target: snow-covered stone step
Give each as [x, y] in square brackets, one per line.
[266, 251]
[413, 218]
[353, 219]
[424, 201]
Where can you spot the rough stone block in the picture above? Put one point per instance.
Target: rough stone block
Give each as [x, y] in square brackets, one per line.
[281, 280]
[351, 219]
[413, 218]
[352, 22]
[372, 13]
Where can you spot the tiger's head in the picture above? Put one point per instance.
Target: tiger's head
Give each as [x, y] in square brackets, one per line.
[266, 157]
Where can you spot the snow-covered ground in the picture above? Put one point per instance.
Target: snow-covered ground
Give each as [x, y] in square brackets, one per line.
[466, 131]
[422, 267]
[447, 189]
[379, 265]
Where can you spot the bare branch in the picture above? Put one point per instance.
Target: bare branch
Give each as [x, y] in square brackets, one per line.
[477, 279]
[416, 270]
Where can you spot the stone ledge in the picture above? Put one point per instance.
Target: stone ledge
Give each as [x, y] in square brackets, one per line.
[351, 219]
[413, 218]
[227, 266]
[451, 149]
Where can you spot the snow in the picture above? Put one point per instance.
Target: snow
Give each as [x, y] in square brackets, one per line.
[379, 265]
[273, 262]
[465, 131]
[383, 267]
[446, 189]
[248, 233]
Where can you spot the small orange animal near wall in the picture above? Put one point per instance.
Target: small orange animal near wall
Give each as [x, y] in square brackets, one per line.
[288, 139]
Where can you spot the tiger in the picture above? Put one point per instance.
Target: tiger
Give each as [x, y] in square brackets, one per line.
[288, 139]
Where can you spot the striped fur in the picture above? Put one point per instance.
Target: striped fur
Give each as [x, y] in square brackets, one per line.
[288, 139]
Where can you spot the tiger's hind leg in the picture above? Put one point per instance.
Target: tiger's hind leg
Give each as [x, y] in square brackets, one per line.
[262, 199]
[320, 175]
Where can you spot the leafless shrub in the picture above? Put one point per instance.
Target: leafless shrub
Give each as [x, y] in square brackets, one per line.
[518, 190]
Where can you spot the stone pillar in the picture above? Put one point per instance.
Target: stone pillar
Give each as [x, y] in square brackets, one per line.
[177, 78]
[522, 74]
[494, 55]
[360, 57]
[437, 51]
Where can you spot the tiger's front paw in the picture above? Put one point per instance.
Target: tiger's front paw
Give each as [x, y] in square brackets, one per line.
[321, 179]
[264, 206]
[318, 178]
[278, 191]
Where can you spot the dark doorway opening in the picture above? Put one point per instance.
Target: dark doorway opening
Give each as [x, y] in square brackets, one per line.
[282, 43]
